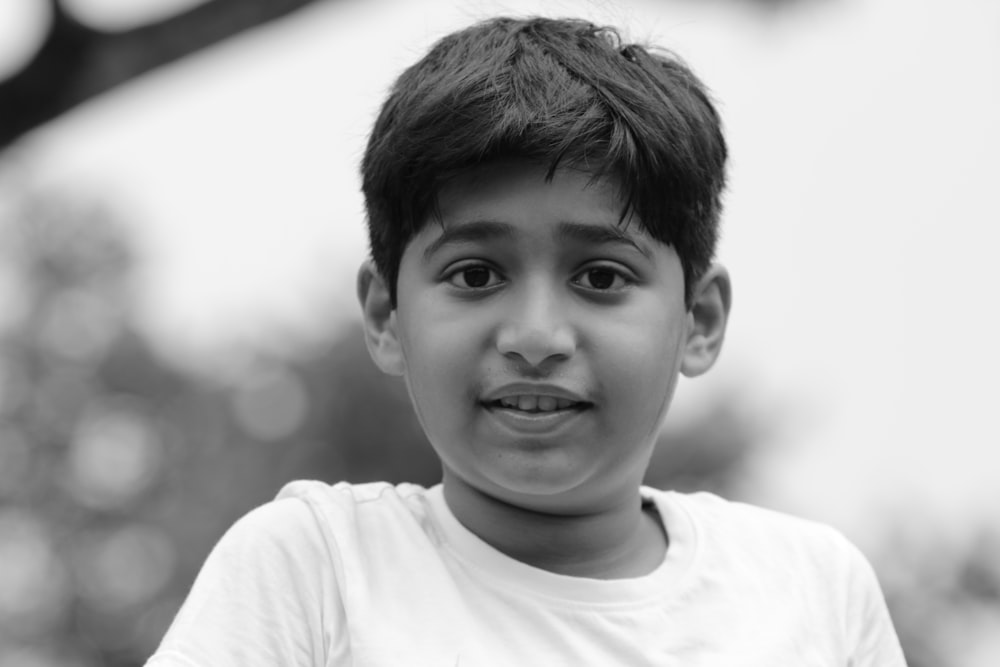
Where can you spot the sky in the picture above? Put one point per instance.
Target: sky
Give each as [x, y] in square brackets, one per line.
[860, 228]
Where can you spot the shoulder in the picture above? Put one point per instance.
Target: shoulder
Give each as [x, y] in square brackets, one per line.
[719, 519]
[266, 594]
[345, 494]
[340, 502]
[728, 530]
[310, 520]
[361, 518]
[784, 562]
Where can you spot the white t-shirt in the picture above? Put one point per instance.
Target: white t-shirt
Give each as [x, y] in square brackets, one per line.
[383, 575]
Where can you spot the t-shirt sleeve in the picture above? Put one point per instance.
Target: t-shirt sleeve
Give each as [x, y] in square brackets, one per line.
[267, 595]
[871, 632]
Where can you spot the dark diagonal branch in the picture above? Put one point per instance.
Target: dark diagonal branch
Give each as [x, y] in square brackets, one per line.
[76, 63]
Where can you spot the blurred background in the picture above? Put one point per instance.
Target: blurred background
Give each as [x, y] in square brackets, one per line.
[180, 225]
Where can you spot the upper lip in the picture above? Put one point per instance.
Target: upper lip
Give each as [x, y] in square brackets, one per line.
[532, 389]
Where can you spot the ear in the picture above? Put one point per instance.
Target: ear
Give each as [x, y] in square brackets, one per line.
[707, 319]
[379, 320]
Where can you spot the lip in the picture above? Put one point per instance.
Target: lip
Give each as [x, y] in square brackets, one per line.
[533, 389]
[534, 423]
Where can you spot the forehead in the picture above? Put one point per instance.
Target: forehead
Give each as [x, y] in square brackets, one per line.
[523, 193]
[515, 202]
[521, 188]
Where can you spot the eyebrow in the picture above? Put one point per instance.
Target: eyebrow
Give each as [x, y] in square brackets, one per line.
[602, 235]
[492, 230]
[470, 232]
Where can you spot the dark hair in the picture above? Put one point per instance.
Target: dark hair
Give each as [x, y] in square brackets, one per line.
[559, 93]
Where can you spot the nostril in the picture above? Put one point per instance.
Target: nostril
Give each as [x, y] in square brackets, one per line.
[535, 346]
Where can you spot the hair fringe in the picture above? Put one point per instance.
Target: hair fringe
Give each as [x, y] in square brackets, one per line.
[559, 92]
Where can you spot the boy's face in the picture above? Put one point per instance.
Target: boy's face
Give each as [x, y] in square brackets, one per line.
[539, 338]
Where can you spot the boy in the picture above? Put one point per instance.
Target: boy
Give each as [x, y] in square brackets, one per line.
[543, 205]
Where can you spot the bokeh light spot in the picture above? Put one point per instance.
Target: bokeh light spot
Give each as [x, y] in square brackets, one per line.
[124, 568]
[15, 461]
[118, 15]
[13, 384]
[22, 28]
[34, 587]
[272, 405]
[14, 301]
[29, 655]
[79, 325]
[115, 453]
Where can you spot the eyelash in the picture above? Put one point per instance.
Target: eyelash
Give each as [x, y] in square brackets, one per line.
[451, 275]
[618, 274]
[626, 279]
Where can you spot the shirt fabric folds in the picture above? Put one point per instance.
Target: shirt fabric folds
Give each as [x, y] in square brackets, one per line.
[377, 575]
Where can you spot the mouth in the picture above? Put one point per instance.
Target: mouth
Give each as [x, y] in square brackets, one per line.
[536, 404]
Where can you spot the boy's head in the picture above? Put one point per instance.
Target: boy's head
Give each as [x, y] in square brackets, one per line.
[540, 332]
[556, 93]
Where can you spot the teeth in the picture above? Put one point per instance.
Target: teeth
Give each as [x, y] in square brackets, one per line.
[546, 403]
[532, 403]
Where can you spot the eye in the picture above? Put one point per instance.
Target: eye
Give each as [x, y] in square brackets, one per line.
[474, 276]
[603, 279]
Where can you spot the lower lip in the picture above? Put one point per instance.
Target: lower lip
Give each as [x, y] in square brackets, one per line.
[533, 422]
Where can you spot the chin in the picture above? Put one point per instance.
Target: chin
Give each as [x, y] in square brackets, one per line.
[537, 487]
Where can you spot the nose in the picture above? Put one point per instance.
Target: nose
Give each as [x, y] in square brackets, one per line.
[535, 330]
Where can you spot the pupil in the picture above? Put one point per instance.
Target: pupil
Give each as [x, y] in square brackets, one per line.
[477, 277]
[601, 279]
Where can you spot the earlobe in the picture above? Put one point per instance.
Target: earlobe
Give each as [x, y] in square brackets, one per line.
[379, 320]
[709, 315]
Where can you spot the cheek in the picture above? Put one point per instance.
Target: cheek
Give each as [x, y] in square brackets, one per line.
[645, 362]
[440, 358]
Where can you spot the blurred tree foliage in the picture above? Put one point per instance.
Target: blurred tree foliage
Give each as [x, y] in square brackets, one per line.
[944, 597]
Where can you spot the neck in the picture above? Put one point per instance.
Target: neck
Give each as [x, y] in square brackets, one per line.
[619, 540]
